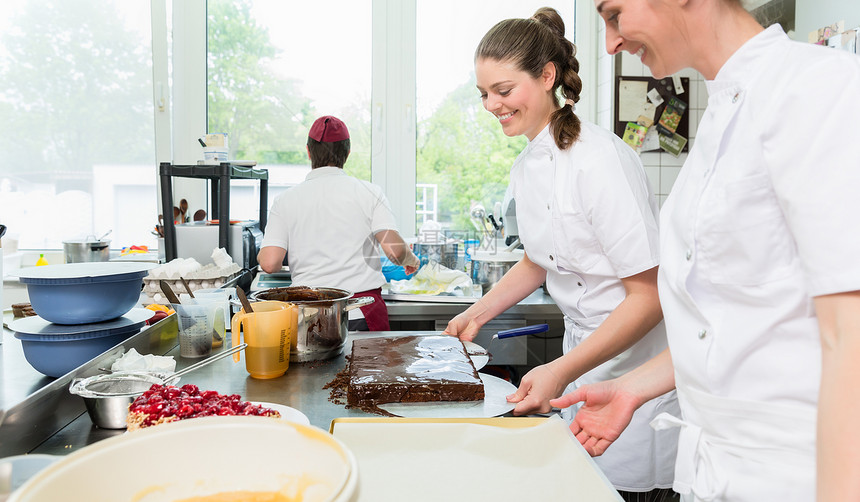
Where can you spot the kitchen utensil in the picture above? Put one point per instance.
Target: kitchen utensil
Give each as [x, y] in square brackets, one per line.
[199, 215]
[183, 208]
[318, 465]
[209, 360]
[168, 292]
[81, 293]
[107, 397]
[187, 287]
[244, 299]
[2, 230]
[86, 250]
[196, 328]
[56, 349]
[525, 330]
[105, 235]
[322, 319]
[268, 331]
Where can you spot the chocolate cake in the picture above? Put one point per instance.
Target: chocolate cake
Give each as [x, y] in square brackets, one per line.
[411, 369]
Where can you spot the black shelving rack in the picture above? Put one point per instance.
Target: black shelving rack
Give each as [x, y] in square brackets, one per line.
[219, 177]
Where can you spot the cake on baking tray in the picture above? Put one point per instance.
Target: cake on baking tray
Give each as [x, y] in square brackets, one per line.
[411, 369]
[167, 403]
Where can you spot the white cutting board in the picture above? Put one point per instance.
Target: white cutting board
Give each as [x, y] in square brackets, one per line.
[464, 461]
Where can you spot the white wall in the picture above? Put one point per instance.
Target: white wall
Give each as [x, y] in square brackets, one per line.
[813, 14]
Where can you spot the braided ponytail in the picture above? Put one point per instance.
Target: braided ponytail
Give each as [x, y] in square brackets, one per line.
[532, 43]
[565, 125]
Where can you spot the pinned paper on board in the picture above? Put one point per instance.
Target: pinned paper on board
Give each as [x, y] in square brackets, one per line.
[639, 109]
[673, 144]
[634, 135]
[671, 116]
[632, 98]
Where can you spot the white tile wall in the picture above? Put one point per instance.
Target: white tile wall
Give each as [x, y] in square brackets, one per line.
[661, 168]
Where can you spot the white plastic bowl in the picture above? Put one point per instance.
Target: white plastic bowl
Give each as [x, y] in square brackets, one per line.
[201, 456]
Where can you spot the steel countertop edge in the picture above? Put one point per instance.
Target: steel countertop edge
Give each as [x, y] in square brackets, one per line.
[50, 420]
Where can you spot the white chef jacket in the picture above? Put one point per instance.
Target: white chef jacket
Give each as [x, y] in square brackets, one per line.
[327, 225]
[588, 217]
[762, 218]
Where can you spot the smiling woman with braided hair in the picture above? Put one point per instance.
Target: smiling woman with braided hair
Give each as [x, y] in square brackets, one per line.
[588, 222]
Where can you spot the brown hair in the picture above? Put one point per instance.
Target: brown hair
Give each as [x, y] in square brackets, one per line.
[532, 43]
[333, 153]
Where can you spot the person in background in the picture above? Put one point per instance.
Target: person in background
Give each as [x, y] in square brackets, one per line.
[588, 222]
[329, 227]
[760, 277]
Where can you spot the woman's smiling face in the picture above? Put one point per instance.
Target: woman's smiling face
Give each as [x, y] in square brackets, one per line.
[522, 104]
[644, 28]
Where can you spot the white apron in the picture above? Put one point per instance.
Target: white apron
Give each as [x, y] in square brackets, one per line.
[566, 221]
[750, 438]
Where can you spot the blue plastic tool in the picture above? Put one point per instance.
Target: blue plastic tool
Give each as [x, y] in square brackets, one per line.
[525, 330]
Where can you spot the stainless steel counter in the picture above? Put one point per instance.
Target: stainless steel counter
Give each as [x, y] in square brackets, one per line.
[39, 415]
[55, 422]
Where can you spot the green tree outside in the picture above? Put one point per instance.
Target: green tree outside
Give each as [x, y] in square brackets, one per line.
[462, 149]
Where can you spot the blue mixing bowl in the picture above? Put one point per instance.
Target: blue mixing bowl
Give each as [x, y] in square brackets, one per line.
[55, 349]
[81, 293]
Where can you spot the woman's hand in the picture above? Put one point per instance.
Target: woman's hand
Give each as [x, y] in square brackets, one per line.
[607, 411]
[536, 388]
[464, 326]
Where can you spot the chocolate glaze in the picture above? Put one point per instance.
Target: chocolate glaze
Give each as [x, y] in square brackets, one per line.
[411, 369]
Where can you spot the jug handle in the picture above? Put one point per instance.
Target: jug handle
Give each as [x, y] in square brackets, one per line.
[358, 302]
[234, 332]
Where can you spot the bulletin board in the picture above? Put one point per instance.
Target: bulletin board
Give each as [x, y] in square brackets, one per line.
[666, 88]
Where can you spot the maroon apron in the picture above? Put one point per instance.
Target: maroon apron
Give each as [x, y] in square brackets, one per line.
[375, 314]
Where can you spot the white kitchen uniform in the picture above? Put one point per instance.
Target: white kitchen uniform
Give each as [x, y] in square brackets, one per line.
[762, 218]
[588, 217]
[327, 225]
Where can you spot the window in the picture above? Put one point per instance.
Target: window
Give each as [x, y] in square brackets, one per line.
[460, 146]
[77, 133]
[273, 68]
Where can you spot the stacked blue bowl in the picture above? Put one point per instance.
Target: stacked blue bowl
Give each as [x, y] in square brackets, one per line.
[82, 310]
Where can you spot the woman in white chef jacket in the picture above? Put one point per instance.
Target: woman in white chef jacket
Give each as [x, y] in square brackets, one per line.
[588, 222]
[760, 271]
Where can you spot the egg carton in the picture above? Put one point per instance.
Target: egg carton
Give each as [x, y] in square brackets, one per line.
[152, 285]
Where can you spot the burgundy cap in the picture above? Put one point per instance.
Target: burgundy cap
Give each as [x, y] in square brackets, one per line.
[328, 129]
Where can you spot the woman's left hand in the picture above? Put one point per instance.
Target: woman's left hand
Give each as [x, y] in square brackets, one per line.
[536, 388]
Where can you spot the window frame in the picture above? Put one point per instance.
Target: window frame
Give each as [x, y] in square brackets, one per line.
[393, 95]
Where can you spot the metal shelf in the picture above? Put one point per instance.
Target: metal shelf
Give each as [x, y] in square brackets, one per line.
[219, 176]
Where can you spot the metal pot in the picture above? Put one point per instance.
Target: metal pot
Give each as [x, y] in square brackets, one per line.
[488, 267]
[83, 251]
[322, 324]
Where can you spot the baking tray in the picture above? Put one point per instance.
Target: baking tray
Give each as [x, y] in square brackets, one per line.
[405, 297]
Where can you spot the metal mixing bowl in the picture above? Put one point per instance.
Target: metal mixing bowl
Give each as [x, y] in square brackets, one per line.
[107, 397]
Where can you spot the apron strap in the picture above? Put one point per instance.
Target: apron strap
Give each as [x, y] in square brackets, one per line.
[375, 314]
[693, 449]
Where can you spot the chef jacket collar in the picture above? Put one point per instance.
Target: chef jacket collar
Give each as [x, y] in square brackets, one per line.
[735, 71]
[324, 171]
[540, 138]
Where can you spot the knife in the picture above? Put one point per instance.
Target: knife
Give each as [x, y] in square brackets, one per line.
[168, 292]
[526, 330]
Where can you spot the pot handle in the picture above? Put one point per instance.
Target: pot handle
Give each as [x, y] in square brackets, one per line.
[358, 302]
